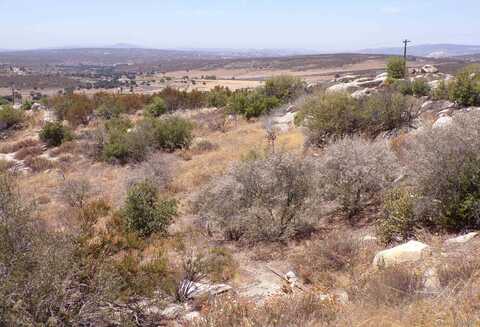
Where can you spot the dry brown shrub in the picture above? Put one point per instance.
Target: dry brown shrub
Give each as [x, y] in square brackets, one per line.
[323, 259]
[392, 286]
[458, 270]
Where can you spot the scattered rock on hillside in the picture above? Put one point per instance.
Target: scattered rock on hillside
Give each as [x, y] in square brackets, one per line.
[172, 311]
[442, 122]
[408, 252]
[346, 78]
[344, 87]
[436, 106]
[363, 93]
[429, 69]
[201, 290]
[461, 239]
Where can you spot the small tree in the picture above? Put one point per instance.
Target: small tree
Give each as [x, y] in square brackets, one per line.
[396, 68]
[465, 90]
[156, 108]
[144, 212]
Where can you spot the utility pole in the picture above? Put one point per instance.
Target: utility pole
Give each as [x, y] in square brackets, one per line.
[405, 44]
[13, 94]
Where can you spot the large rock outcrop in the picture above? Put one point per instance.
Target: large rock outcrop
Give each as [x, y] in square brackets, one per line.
[409, 252]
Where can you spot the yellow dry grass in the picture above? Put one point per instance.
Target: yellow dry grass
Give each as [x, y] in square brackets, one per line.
[232, 145]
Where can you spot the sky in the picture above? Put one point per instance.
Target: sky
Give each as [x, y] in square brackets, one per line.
[333, 25]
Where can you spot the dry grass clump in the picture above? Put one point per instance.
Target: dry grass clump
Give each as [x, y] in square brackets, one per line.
[38, 164]
[15, 146]
[297, 310]
[336, 252]
[70, 147]
[458, 271]
[221, 265]
[31, 151]
[391, 286]
[335, 260]
[6, 165]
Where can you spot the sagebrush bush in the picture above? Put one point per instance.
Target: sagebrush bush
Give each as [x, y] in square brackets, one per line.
[144, 212]
[10, 117]
[445, 165]
[266, 199]
[354, 171]
[54, 134]
[396, 68]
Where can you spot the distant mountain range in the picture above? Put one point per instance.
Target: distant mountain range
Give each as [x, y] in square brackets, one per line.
[429, 50]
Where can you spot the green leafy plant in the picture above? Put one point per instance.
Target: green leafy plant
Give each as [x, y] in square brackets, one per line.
[54, 134]
[144, 212]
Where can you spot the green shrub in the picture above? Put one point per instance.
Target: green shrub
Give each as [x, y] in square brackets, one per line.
[284, 87]
[144, 212]
[108, 111]
[156, 108]
[442, 91]
[329, 115]
[218, 96]
[465, 90]
[384, 111]
[396, 68]
[403, 86]
[171, 133]
[399, 219]
[251, 103]
[335, 115]
[420, 87]
[11, 117]
[27, 105]
[54, 134]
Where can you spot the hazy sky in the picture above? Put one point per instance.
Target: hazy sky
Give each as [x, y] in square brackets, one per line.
[311, 24]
